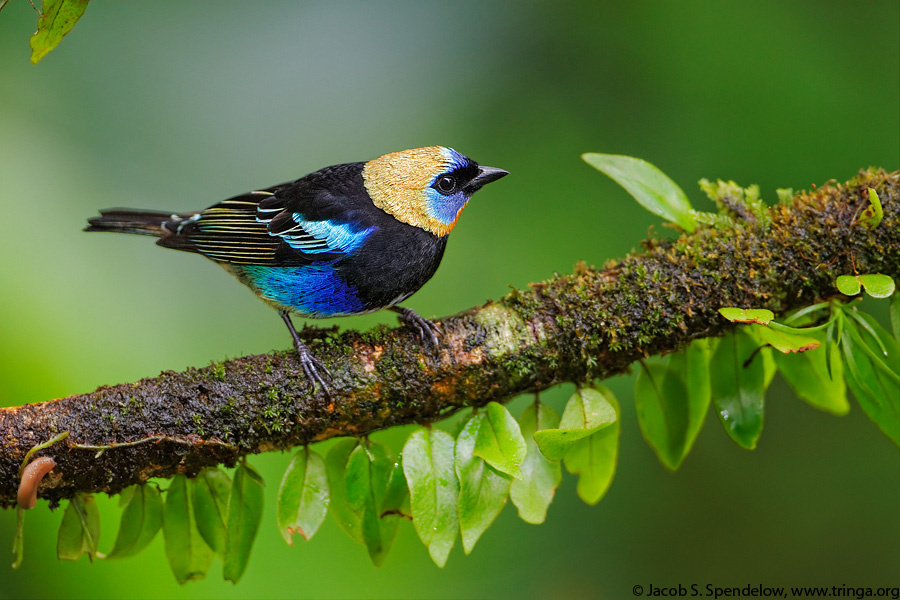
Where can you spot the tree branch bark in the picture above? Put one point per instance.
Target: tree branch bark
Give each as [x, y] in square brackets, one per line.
[592, 323]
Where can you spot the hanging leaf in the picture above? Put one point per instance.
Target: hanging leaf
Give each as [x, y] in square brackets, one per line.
[141, 521]
[738, 387]
[189, 556]
[56, 20]
[586, 412]
[303, 496]
[482, 490]
[79, 531]
[428, 464]
[782, 341]
[874, 213]
[210, 492]
[692, 365]
[593, 458]
[245, 508]
[661, 400]
[533, 493]
[499, 440]
[19, 537]
[648, 185]
[368, 476]
[338, 503]
[747, 315]
[809, 376]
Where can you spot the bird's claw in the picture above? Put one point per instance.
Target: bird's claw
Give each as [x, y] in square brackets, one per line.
[427, 330]
[314, 370]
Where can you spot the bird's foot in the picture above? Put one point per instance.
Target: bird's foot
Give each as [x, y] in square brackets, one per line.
[427, 330]
[314, 370]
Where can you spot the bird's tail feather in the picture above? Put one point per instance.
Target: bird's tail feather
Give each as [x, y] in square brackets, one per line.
[125, 220]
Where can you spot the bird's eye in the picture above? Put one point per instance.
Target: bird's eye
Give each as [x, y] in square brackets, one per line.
[446, 184]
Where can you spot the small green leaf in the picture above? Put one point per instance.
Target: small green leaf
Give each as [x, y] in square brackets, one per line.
[369, 471]
[784, 342]
[499, 441]
[586, 412]
[189, 556]
[533, 493]
[209, 494]
[79, 531]
[338, 503]
[593, 458]
[141, 521]
[873, 214]
[747, 315]
[428, 464]
[848, 285]
[56, 20]
[245, 509]
[738, 387]
[808, 375]
[661, 400]
[303, 496]
[648, 185]
[482, 490]
[877, 285]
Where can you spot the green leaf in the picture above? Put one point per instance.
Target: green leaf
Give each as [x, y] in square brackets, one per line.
[368, 477]
[895, 315]
[533, 493]
[482, 490]
[303, 496]
[809, 376]
[499, 441]
[189, 556]
[245, 508]
[877, 285]
[586, 412]
[19, 537]
[876, 392]
[141, 521]
[210, 492]
[56, 20]
[648, 185]
[784, 342]
[428, 464]
[747, 315]
[593, 458]
[873, 214]
[738, 387]
[79, 531]
[349, 519]
[692, 364]
[848, 285]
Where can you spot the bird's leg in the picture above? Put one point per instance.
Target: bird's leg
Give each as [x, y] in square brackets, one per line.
[426, 329]
[311, 367]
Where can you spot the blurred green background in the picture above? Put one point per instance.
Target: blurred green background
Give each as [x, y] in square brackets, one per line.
[173, 105]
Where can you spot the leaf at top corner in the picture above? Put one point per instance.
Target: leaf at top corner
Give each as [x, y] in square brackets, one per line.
[747, 315]
[482, 490]
[874, 213]
[533, 493]
[586, 412]
[302, 496]
[141, 521]
[783, 341]
[652, 188]
[737, 381]
[594, 458]
[56, 20]
[245, 508]
[499, 440]
[428, 463]
[210, 492]
[79, 531]
[189, 555]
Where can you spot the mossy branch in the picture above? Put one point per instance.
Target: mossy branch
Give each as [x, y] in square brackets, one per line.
[593, 323]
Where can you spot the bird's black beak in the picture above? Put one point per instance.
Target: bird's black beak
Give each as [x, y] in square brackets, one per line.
[484, 177]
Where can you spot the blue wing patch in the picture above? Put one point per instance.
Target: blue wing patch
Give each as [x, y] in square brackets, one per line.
[315, 237]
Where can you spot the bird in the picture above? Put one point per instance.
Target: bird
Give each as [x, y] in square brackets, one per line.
[348, 239]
